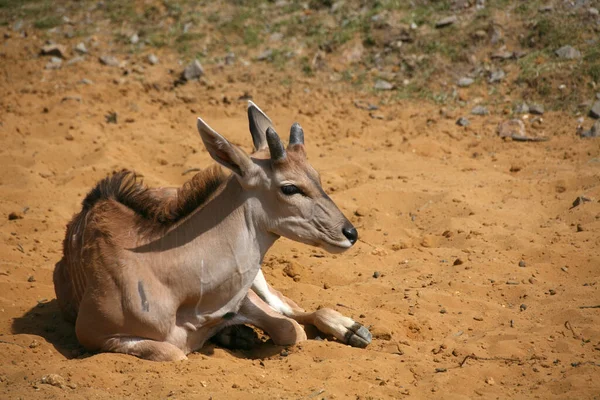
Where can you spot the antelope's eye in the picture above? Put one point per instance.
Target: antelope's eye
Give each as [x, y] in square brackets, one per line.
[289, 190]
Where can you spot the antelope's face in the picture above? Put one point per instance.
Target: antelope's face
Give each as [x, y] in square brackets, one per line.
[290, 200]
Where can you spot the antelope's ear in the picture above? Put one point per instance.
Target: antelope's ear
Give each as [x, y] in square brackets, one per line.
[258, 122]
[225, 153]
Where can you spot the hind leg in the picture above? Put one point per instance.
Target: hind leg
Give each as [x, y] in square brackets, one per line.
[144, 348]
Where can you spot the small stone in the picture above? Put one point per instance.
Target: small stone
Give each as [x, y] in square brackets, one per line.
[580, 228]
[568, 53]
[55, 63]
[235, 386]
[593, 11]
[80, 48]
[478, 318]
[230, 58]
[458, 261]
[462, 121]
[110, 61]
[383, 85]
[580, 200]
[284, 353]
[376, 274]
[536, 109]
[523, 307]
[34, 344]
[54, 380]
[465, 82]
[522, 108]
[86, 81]
[510, 128]
[595, 110]
[490, 381]
[193, 71]
[31, 279]
[69, 137]
[361, 212]
[446, 21]
[480, 110]
[440, 370]
[134, 39]
[57, 50]
[532, 280]
[152, 59]
[522, 264]
[564, 269]
[326, 285]
[497, 76]
[512, 282]
[14, 215]
[546, 8]
[111, 117]
[265, 55]
[75, 60]
[443, 311]
[552, 292]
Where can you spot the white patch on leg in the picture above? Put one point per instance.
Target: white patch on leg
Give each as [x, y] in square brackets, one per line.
[262, 290]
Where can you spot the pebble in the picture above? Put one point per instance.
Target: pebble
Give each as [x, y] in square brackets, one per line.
[510, 128]
[446, 21]
[57, 50]
[580, 200]
[265, 55]
[54, 380]
[522, 109]
[230, 58]
[462, 121]
[552, 292]
[284, 353]
[383, 85]
[480, 110]
[376, 274]
[86, 81]
[490, 381]
[523, 307]
[511, 282]
[110, 61]
[443, 311]
[595, 110]
[522, 264]
[80, 48]
[568, 53]
[152, 59]
[75, 60]
[361, 212]
[580, 228]
[546, 8]
[478, 318]
[458, 261]
[465, 82]
[497, 76]
[31, 279]
[532, 280]
[439, 370]
[193, 71]
[134, 39]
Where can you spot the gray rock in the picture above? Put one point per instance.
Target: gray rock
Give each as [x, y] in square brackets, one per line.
[230, 58]
[75, 60]
[187, 27]
[511, 128]
[595, 110]
[446, 21]
[265, 55]
[522, 109]
[536, 109]
[568, 53]
[152, 59]
[17, 26]
[497, 76]
[86, 81]
[593, 11]
[55, 63]
[134, 39]
[591, 133]
[503, 55]
[80, 48]
[465, 82]
[496, 35]
[111, 61]
[546, 8]
[383, 85]
[193, 71]
[462, 121]
[56, 50]
[480, 110]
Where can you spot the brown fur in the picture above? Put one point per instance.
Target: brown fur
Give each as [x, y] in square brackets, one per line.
[155, 209]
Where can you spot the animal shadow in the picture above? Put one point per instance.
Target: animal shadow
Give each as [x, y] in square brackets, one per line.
[45, 320]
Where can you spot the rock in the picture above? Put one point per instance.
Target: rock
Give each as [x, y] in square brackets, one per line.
[522, 109]
[361, 212]
[465, 82]
[536, 109]
[56, 50]
[568, 53]
[265, 55]
[86, 81]
[522, 264]
[462, 121]
[110, 61]
[490, 381]
[497, 76]
[595, 110]
[578, 201]
[75, 60]
[511, 128]
[547, 8]
[152, 59]
[376, 274]
[593, 12]
[552, 292]
[54, 380]
[134, 39]
[14, 215]
[503, 55]
[31, 279]
[193, 71]
[55, 63]
[446, 21]
[580, 228]
[80, 48]
[458, 261]
[230, 58]
[478, 318]
[523, 307]
[383, 85]
[480, 110]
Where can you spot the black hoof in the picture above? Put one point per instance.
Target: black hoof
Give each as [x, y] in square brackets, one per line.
[358, 336]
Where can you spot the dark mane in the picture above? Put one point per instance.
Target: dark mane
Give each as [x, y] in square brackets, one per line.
[128, 189]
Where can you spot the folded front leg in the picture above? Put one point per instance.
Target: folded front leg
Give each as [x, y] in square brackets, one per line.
[326, 320]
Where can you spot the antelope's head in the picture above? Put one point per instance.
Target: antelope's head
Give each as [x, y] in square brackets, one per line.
[285, 190]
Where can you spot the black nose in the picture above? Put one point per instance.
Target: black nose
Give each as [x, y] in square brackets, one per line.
[350, 233]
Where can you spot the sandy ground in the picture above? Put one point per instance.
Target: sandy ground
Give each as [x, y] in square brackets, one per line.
[445, 215]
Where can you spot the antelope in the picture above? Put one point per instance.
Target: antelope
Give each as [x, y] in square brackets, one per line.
[155, 273]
